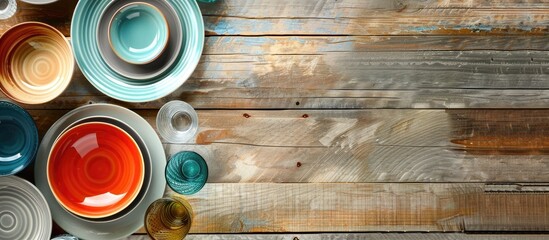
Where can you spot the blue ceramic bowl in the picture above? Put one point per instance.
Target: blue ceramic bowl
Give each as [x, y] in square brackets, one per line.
[18, 138]
[138, 33]
[86, 50]
[141, 74]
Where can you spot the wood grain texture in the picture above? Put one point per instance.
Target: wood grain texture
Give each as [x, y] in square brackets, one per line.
[307, 45]
[58, 14]
[422, 22]
[352, 72]
[377, 145]
[351, 8]
[326, 165]
[366, 145]
[356, 207]
[380, 17]
[350, 17]
[359, 236]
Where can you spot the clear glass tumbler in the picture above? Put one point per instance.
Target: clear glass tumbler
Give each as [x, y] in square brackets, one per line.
[177, 122]
[7, 8]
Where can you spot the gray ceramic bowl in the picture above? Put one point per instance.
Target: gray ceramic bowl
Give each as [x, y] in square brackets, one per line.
[141, 73]
[24, 212]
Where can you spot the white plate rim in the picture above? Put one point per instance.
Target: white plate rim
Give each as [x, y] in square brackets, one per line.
[39, 2]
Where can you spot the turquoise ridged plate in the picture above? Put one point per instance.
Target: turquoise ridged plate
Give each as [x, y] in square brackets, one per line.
[86, 51]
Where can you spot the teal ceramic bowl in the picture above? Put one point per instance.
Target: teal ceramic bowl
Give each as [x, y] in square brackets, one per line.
[138, 33]
[140, 73]
[84, 26]
[18, 138]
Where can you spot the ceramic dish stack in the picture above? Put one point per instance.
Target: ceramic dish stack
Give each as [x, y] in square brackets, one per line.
[99, 167]
[96, 169]
[137, 51]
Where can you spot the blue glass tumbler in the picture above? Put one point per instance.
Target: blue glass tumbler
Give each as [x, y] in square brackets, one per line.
[186, 172]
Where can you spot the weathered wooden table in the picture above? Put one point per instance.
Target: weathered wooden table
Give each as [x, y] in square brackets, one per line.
[336, 119]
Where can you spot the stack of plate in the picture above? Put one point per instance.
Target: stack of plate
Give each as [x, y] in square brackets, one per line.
[137, 51]
[99, 167]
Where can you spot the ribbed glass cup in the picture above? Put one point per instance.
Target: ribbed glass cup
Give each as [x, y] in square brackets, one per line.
[7, 8]
[186, 172]
[177, 122]
[168, 218]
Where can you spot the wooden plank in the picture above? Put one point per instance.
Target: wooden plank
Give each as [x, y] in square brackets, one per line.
[422, 22]
[375, 146]
[307, 45]
[58, 14]
[373, 18]
[352, 77]
[312, 17]
[366, 145]
[351, 8]
[396, 99]
[357, 207]
[358, 236]
[241, 163]
[380, 17]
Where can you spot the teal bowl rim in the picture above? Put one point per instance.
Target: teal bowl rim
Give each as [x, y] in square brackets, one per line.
[86, 51]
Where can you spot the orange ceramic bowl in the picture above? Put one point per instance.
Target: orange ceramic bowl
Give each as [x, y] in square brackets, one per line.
[36, 63]
[95, 169]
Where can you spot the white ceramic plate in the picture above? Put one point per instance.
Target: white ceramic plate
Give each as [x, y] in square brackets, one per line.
[39, 2]
[130, 222]
[24, 213]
